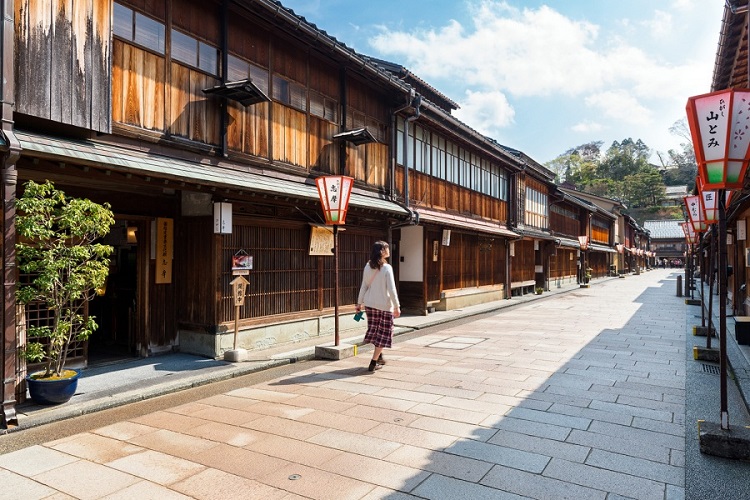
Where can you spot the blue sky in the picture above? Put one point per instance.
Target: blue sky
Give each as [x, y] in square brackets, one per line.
[544, 76]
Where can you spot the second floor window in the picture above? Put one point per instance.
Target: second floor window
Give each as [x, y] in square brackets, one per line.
[537, 210]
[134, 27]
[193, 52]
[289, 93]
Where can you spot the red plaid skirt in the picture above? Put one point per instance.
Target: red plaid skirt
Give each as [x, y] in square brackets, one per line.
[379, 327]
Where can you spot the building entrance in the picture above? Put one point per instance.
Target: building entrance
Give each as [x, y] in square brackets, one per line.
[115, 306]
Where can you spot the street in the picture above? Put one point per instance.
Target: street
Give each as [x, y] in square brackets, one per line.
[578, 395]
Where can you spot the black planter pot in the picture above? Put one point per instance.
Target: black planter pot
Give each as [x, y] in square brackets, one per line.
[52, 392]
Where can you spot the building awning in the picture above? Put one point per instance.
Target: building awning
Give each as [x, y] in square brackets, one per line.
[462, 222]
[357, 137]
[535, 234]
[208, 171]
[601, 248]
[567, 242]
[243, 91]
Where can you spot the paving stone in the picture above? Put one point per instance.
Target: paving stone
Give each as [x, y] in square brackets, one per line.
[622, 445]
[636, 411]
[638, 435]
[531, 428]
[550, 418]
[502, 455]
[439, 487]
[446, 464]
[592, 414]
[546, 447]
[537, 486]
[601, 479]
[639, 467]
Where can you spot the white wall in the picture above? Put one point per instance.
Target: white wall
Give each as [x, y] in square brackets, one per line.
[411, 251]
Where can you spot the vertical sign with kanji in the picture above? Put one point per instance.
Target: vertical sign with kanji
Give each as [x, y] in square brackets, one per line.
[164, 250]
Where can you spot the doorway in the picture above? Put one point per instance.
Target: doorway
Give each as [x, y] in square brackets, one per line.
[115, 307]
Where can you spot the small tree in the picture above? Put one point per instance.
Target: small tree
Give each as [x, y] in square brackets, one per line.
[56, 247]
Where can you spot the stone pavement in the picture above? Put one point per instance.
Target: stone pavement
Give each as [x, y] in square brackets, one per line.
[578, 395]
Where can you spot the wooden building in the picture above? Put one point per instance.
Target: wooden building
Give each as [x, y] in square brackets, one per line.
[731, 70]
[204, 124]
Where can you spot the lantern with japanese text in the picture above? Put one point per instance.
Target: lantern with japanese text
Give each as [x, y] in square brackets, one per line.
[710, 202]
[334, 192]
[694, 205]
[719, 124]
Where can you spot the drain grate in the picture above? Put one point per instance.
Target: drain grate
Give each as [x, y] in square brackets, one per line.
[712, 369]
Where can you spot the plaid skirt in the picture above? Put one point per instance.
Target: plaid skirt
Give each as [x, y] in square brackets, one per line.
[379, 327]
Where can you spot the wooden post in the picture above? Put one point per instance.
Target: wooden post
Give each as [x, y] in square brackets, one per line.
[238, 286]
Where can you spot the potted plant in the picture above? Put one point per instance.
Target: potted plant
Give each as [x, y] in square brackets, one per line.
[539, 290]
[57, 248]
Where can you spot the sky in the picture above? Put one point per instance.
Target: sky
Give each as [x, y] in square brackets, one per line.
[544, 76]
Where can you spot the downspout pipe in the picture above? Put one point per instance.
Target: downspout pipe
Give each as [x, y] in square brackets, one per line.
[415, 104]
[10, 151]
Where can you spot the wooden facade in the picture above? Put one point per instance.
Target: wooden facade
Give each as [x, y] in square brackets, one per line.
[110, 105]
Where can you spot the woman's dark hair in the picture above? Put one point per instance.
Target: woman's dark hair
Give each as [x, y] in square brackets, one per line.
[375, 255]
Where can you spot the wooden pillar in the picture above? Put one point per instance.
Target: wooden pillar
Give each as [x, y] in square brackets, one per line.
[11, 150]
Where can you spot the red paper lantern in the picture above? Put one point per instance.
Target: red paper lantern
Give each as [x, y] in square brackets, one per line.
[334, 192]
[720, 127]
[694, 205]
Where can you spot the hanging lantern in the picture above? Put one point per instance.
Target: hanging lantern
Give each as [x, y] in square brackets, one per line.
[694, 205]
[584, 242]
[334, 192]
[719, 124]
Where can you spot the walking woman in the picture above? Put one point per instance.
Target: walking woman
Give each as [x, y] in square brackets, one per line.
[378, 294]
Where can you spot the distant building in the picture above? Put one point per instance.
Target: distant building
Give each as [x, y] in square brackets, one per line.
[673, 195]
[667, 239]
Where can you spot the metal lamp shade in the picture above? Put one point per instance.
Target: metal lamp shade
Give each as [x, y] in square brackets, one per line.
[334, 192]
[720, 127]
[694, 205]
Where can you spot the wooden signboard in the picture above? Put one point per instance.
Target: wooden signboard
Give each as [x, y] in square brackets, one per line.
[321, 240]
[164, 250]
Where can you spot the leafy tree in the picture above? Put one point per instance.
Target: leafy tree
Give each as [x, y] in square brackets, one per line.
[623, 159]
[644, 188]
[577, 165]
[57, 248]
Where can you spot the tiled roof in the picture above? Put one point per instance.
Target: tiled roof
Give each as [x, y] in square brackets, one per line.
[664, 229]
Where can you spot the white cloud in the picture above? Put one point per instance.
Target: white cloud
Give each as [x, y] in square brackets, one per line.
[488, 112]
[620, 105]
[660, 26]
[587, 126]
[617, 80]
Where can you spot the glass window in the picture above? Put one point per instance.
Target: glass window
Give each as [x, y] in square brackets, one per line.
[149, 33]
[184, 48]
[239, 69]
[290, 93]
[137, 28]
[536, 208]
[122, 22]
[208, 58]
[193, 52]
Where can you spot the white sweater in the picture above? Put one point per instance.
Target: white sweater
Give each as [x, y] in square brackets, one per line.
[378, 288]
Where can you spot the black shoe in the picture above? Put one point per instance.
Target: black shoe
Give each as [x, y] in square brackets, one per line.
[373, 366]
[380, 360]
